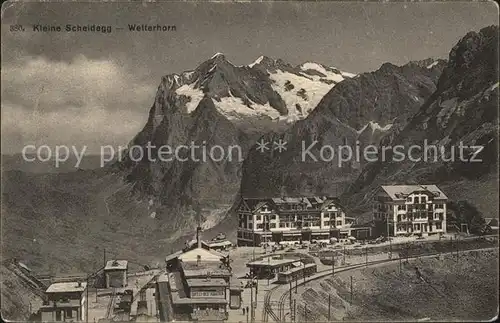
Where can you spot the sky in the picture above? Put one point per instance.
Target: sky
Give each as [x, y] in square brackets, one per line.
[96, 89]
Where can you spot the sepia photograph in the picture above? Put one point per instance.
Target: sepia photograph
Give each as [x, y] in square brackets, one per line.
[249, 161]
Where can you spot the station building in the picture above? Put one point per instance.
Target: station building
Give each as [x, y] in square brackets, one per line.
[115, 273]
[65, 302]
[197, 286]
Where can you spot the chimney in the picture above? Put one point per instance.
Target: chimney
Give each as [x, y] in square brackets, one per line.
[198, 260]
[198, 236]
[198, 228]
[79, 284]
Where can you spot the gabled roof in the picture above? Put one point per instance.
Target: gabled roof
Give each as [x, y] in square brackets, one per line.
[116, 265]
[204, 255]
[314, 202]
[66, 287]
[173, 256]
[400, 192]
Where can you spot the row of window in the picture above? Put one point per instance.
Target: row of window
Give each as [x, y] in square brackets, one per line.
[417, 227]
[416, 199]
[384, 208]
[292, 217]
[417, 216]
[292, 224]
[419, 207]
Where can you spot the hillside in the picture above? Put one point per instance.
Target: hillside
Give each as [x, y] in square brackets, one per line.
[364, 108]
[20, 292]
[452, 291]
[462, 110]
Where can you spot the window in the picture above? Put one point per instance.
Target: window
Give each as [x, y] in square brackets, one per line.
[326, 215]
[273, 217]
[258, 218]
[69, 313]
[417, 226]
[424, 199]
[402, 207]
[339, 222]
[417, 200]
[58, 316]
[282, 225]
[439, 226]
[272, 225]
[408, 199]
[260, 226]
[250, 226]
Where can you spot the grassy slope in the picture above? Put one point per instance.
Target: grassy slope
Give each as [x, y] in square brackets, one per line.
[463, 290]
[63, 223]
[17, 295]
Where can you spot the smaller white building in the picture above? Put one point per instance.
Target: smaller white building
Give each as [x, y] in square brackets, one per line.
[116, 273]
[65, 302]
[411, 209]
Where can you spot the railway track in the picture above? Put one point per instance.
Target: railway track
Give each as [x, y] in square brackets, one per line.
[280, 317]
[111, 304]
[318, 275]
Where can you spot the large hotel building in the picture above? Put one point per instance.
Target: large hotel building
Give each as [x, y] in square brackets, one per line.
[294, 219]
[411, 209]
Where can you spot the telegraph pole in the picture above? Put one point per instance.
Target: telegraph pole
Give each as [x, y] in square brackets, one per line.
[294, 310]
[87, 301]
[351, 290]
[333, 265]
[366, 256]
[329, 306]
[290, 294]
[251, 301]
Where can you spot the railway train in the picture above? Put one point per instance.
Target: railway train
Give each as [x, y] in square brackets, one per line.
[297, 273]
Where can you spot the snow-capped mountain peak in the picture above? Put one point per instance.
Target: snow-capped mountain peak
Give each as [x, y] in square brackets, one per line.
[257, 61]
[267, 89]
[217, 55]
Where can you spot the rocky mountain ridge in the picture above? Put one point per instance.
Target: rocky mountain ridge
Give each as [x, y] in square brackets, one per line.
[462, 111]
[358, 111]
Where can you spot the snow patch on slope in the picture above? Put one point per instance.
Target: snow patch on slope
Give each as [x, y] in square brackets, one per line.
[375, 126]
[432, 64]
[336, 77]
[195, 96]
[347, 74]
[315, 90]
[233, 107]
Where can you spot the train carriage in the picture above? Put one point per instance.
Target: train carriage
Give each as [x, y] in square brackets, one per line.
[297, 273]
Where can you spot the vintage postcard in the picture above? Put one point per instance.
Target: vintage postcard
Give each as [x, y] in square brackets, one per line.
[257, 161]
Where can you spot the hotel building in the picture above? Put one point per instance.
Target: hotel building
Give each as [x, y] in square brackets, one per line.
[293, 219]
[411, 209]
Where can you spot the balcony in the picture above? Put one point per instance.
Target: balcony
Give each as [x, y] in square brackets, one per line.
[68, 303]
